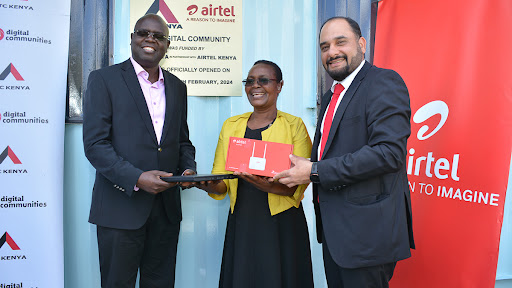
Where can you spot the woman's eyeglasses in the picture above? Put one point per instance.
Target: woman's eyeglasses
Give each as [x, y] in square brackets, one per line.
[145, 33]
[261, 81]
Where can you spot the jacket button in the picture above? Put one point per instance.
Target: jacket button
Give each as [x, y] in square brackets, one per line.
[159, 149]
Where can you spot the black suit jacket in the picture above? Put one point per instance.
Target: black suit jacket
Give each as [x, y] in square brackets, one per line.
[120, 142]
[364, 199]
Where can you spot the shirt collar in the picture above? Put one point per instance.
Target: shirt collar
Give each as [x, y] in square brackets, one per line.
[348, 80]
[141, 72]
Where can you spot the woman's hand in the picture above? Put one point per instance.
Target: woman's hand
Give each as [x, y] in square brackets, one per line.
[216, 186]
[266, 184]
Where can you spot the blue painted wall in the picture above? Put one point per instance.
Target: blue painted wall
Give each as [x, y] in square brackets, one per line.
[282, 31]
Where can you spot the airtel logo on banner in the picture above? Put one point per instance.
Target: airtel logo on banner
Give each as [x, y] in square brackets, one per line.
[430, 166]
[426, 112]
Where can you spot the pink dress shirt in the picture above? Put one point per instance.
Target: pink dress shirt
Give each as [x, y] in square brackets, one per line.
[154, 93]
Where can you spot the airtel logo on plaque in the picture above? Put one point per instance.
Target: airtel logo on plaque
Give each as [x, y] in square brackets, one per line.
[212, 11]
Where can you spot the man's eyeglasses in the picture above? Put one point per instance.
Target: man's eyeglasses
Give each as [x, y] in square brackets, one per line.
[145, 33]
[261, 81]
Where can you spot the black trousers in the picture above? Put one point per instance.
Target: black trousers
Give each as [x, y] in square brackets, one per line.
[364, 277]
[151, 248]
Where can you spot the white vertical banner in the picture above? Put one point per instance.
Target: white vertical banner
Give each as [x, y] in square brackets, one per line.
[34, 40]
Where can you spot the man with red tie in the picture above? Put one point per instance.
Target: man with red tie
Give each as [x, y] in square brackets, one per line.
[358, 164]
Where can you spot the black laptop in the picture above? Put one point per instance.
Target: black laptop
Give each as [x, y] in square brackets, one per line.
[198, 177]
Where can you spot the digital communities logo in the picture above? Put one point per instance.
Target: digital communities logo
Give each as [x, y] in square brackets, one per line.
[16, 117]
[17, 35]
[6, 238]
[9, 153]
[10, 69]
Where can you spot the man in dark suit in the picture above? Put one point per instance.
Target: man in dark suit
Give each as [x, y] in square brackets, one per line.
[360, 189]
[135, 131]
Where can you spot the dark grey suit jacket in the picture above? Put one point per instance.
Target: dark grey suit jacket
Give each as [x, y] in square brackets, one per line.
[120, 142]
[364, 209]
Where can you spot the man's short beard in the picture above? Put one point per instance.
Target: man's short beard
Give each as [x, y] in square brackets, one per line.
[342, 73]
[339, 74]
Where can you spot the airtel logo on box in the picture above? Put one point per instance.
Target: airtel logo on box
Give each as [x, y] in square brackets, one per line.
[239, 141]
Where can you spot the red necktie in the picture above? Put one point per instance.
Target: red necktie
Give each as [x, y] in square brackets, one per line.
[338, 88]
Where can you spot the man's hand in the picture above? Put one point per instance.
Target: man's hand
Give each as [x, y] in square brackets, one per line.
[150, 181]
[298, 174]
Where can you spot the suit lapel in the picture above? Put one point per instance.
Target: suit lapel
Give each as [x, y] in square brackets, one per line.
[344, 103]
[169, 105]
[131, 80]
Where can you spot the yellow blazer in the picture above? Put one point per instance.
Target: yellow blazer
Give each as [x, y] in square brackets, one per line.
[286, 129]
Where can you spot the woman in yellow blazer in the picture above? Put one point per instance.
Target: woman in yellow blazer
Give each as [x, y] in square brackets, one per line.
[267, 240]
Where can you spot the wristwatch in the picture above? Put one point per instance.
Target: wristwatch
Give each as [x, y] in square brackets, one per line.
[313, 176]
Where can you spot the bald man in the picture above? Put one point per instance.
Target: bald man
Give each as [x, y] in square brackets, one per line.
[135, 131]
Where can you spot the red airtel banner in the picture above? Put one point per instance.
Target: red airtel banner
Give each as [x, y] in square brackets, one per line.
[454, 57]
